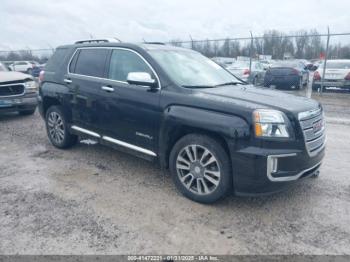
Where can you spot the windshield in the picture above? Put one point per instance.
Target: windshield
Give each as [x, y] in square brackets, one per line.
[3, 68]
[191, 69]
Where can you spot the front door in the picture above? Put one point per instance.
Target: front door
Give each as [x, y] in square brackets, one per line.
[131, 113]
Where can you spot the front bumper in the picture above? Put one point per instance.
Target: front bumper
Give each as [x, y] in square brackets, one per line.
[27, 101]
[264, 171]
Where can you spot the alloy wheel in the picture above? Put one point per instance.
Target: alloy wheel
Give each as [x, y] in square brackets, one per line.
[198, 169]
[56, 127]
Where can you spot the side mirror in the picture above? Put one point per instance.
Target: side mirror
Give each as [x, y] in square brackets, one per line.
[141, 79]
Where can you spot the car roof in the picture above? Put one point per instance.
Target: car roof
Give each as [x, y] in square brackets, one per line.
[145, 46]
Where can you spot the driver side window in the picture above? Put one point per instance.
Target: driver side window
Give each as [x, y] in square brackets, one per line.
[123, 62]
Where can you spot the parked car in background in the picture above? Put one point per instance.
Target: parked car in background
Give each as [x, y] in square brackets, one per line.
[241, 70]
[3, 67]
[266, 63]
[287, 74]
[18, 92]
[337, 75]
[24, 66]
[7, 64]
[223, 61]
[307, 64]
[37, 69]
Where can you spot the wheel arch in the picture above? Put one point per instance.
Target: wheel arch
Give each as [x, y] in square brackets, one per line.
[180, 121]
[48, 102]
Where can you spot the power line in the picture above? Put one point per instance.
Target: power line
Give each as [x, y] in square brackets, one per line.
[255, 37]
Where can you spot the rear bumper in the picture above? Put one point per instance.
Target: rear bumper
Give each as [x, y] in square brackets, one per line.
[282, 80]
[333, 83]
[18, 103]
[263, 171]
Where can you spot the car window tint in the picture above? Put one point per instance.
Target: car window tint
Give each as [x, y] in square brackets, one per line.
[123, 62]
[91, 62]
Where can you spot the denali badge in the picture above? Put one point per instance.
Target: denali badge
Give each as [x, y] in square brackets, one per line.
[144, 135]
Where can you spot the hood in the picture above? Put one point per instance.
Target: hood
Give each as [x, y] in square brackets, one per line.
[256, 97]
[10, 76]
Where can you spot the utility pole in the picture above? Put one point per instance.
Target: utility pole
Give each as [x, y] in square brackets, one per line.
[325, 61]
[250, 52]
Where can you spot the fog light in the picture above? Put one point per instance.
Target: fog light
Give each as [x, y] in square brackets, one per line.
[274, 164]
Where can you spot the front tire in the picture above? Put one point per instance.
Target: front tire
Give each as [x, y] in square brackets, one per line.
[57, 128]
[200, 168]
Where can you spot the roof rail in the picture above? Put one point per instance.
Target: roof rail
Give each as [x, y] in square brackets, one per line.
[154, 43]
[103, 40]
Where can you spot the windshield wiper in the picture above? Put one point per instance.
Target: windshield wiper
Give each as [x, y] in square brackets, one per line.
[228, 84]
[197, 86]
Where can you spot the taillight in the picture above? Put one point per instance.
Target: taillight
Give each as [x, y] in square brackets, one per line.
[317, 76]
[41, 76]
[246, 72]
[347, 76]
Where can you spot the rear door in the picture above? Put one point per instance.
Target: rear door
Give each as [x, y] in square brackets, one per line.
[84, 80]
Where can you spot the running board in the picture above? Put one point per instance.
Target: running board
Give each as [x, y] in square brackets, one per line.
[127, 145]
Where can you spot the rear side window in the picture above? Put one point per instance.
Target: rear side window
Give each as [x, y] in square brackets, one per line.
[73, 62]
[56, 60]
[91, 62]
[123, 62]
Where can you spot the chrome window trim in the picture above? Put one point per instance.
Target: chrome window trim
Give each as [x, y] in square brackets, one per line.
[18, 84]
[112, 48]
[85, 131]
[285, 178]
[133, 147]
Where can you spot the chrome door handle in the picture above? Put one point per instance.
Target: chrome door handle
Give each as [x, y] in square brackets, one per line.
[107, 88]
[68, 81]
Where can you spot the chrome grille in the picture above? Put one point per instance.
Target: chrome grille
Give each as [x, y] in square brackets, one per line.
[313, 127]
[11, 90]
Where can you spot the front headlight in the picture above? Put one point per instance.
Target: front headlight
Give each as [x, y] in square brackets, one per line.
[270, 123]
[30, 85]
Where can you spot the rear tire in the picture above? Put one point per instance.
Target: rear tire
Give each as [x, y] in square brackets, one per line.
[57, 128]
[200, 168]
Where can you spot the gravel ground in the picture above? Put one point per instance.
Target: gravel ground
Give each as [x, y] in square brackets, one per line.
[94, 200]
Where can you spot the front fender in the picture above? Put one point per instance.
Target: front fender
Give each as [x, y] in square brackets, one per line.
[230, 127]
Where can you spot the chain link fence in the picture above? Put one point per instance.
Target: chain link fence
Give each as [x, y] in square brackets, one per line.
[304, 63]
[40, 56]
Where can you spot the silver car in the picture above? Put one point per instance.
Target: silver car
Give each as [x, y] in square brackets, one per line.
[241, 69]
[337, 75]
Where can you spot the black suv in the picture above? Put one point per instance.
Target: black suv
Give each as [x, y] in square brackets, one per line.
[215, 133]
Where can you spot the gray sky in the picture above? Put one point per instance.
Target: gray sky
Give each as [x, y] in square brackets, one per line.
[40, 24]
